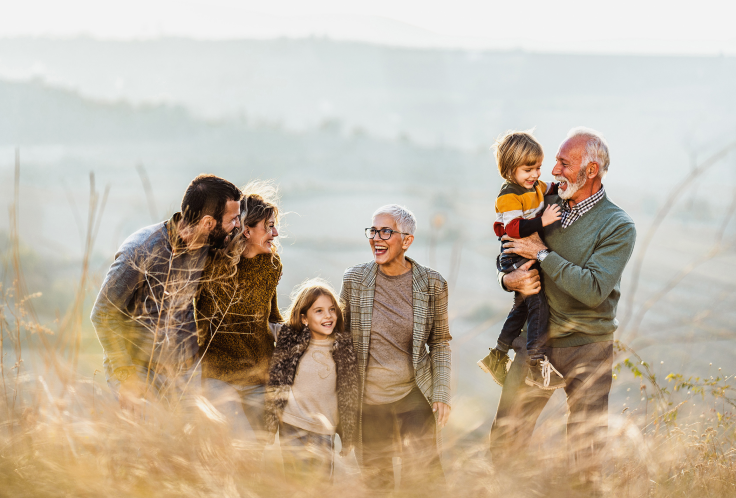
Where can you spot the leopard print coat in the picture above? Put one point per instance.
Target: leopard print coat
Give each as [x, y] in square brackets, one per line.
[290, 347]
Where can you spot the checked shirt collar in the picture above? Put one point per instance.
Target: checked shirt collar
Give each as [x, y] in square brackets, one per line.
[571, 215]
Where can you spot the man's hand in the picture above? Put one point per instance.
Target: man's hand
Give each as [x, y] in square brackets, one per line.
[523, 280]
[443, 413]
[131, 395]
[551, 214]
[528, 247]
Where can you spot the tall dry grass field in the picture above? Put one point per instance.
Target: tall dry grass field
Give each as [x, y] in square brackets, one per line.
[62, 433]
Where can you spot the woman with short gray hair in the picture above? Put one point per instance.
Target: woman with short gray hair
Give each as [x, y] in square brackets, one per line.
[396, 310]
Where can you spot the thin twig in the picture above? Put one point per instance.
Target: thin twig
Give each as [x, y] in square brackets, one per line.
[143, 174]
[669, 202]
[717, 249]
[2, 363]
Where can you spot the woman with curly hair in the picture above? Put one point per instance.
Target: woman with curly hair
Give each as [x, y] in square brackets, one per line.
[236, 308]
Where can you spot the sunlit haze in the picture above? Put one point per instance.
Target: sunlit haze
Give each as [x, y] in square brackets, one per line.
[625, 26]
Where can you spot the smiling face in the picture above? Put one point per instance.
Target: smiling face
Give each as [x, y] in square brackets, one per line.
[389, 254]
[321, 317]
[568, 170]
[260, 237]
[526, 176]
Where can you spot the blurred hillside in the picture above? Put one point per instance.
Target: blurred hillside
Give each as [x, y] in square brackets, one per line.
[62, 137]
[656, 111]
[456, 97]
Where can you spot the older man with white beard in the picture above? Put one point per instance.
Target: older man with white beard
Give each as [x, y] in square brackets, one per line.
[582, 258]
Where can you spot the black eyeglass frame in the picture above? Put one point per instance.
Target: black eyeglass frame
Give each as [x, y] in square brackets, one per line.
[380, 234]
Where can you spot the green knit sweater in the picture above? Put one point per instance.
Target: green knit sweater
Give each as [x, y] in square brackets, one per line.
[582, 274]
[233, 313]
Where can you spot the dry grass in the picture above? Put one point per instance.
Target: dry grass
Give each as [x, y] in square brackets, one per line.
[62, 434]
[75, 442]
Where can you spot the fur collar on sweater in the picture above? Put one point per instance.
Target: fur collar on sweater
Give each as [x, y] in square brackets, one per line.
[290, 347]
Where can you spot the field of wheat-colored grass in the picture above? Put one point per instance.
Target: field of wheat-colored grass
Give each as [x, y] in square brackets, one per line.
[63, 434]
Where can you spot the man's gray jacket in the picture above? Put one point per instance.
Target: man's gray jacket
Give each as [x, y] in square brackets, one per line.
[144, 313]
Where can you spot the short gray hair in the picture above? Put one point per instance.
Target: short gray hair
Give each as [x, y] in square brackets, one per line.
[596, 148]
[405, 220]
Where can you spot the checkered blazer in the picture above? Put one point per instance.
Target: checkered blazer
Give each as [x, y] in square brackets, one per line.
[431, 349]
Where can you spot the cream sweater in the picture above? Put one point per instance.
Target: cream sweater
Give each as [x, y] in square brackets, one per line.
[312, 404]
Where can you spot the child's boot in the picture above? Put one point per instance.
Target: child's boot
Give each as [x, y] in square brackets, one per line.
[542, 374]
[497, 364]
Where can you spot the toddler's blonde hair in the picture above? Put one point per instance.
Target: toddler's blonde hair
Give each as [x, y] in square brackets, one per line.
[514, 149]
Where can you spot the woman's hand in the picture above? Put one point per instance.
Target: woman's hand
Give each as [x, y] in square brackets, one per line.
[443, 413]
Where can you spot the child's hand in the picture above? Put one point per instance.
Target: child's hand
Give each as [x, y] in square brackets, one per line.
[551, 214]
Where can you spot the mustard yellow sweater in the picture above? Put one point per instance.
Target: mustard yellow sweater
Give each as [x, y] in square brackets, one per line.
[233, 314]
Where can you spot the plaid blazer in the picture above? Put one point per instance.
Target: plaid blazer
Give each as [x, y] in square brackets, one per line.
[431, 344]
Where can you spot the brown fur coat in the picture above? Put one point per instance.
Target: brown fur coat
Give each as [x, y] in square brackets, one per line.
[290, 347]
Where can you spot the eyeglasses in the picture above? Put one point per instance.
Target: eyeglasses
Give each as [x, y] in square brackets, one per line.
[383, 233]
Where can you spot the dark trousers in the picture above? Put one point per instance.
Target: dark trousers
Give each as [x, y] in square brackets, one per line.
[404, 428]
[534, 310]
[587, 373]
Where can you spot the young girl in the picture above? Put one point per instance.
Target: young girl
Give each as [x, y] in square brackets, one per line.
[314, 383]
[520, 212]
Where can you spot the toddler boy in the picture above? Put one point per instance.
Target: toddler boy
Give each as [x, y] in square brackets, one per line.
[520, 212]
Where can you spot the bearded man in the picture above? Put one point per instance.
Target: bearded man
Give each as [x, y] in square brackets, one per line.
[582, 258]
[144, 313]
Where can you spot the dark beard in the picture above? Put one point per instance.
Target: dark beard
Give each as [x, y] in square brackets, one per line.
[217, 238]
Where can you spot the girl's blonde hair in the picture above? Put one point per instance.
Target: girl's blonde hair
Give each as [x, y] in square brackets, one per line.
[303, 297]
[514, 149]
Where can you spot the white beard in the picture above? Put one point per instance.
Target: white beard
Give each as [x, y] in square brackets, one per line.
[571, 187]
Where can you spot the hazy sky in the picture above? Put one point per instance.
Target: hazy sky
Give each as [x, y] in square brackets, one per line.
[625, 26]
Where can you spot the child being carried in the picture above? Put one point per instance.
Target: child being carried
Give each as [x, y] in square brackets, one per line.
[520, 212]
